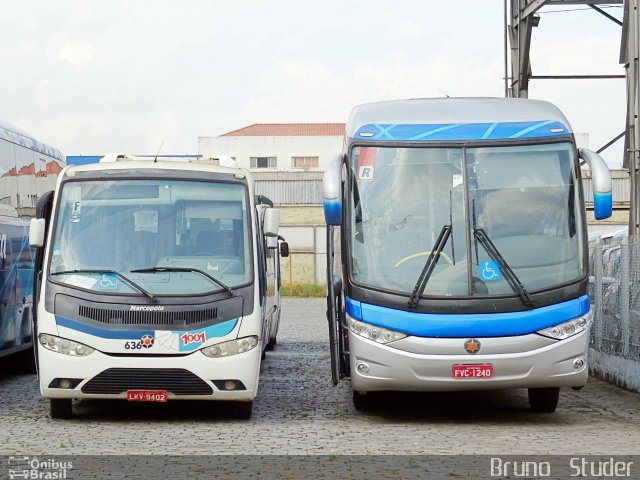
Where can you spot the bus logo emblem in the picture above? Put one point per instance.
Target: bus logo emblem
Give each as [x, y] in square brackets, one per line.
[147, 341]
[472, 346]
[189, 338]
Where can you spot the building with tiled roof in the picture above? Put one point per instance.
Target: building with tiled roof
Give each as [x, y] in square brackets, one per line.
[277, 147]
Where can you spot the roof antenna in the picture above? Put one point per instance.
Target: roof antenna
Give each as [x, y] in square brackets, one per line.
[443, 93]
[155, 160]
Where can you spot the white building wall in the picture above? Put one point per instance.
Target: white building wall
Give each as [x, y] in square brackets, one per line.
[281, 147]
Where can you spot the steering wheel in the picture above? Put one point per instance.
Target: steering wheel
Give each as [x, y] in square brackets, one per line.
[422, 254]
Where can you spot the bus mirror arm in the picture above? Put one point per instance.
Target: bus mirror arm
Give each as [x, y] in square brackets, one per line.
[601, 181]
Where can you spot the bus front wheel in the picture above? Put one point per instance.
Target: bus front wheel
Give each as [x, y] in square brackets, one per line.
[360, 401]
[544, 400]
[61, 408]
[242, 410]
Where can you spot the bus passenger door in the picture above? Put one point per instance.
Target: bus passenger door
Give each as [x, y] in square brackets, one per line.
[44, 208]
[333, 192]
[270, 221]
[261, 277]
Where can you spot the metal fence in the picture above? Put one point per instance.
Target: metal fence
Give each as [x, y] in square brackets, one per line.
[615, 295]
[291, 192]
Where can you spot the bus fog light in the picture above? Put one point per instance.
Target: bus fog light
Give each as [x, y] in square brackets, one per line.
[63, 345]
[64, 383]
[372, 332]
[229, 385]
[363, 368]
[578, 363]
[568, 329]
[232, 347]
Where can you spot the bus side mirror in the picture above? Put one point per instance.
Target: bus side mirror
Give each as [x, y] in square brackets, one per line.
[332, 192]
[284, 249]
[271, 222]
[601, 181]
[36, 232]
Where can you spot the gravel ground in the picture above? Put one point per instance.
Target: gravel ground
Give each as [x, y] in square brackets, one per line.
[298, 411]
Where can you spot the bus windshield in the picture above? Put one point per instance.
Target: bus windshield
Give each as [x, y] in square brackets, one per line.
[163, 237]
[507, 211]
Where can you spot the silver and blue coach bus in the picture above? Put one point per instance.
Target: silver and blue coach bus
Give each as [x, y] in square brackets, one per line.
[459, 235]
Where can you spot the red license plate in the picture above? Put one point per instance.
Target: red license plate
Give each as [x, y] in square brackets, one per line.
[147, 395]
[472, 371]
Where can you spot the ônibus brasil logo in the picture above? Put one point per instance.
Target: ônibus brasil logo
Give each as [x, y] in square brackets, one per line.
[34, 467]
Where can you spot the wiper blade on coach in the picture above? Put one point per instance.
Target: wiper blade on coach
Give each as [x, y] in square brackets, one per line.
[152, 298]
[430, 264]
[226, 287]
[510, 276]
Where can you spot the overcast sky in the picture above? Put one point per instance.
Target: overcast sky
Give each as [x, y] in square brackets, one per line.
[92, 77]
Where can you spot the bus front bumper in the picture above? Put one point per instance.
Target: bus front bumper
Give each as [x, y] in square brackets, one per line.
[391, 369]
[132, 372]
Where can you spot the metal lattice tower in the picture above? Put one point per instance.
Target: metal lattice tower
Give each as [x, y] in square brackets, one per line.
[520, 19]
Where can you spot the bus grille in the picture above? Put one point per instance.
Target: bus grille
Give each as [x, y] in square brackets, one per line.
[175, 380]
[136, 317]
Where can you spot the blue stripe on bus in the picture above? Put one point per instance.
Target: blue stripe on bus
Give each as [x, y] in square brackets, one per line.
[462, 131]
[468, 325]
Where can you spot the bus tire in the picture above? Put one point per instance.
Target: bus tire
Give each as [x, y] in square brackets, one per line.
[544, 400]
[26, 361]
[359, 401]
[242, 410]
[61, 408]
[272, 344]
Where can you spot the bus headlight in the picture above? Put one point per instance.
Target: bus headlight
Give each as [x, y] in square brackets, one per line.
[232, 347]
[372, 332]
[63, 345]
[568, 329]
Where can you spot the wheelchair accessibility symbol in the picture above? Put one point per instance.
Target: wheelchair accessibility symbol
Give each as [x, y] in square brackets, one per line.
[108, 281]
[490, 271]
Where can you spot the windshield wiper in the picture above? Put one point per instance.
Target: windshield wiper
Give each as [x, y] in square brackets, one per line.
[152, 298]
[510, 276]
[430, 264]
[226, 287]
